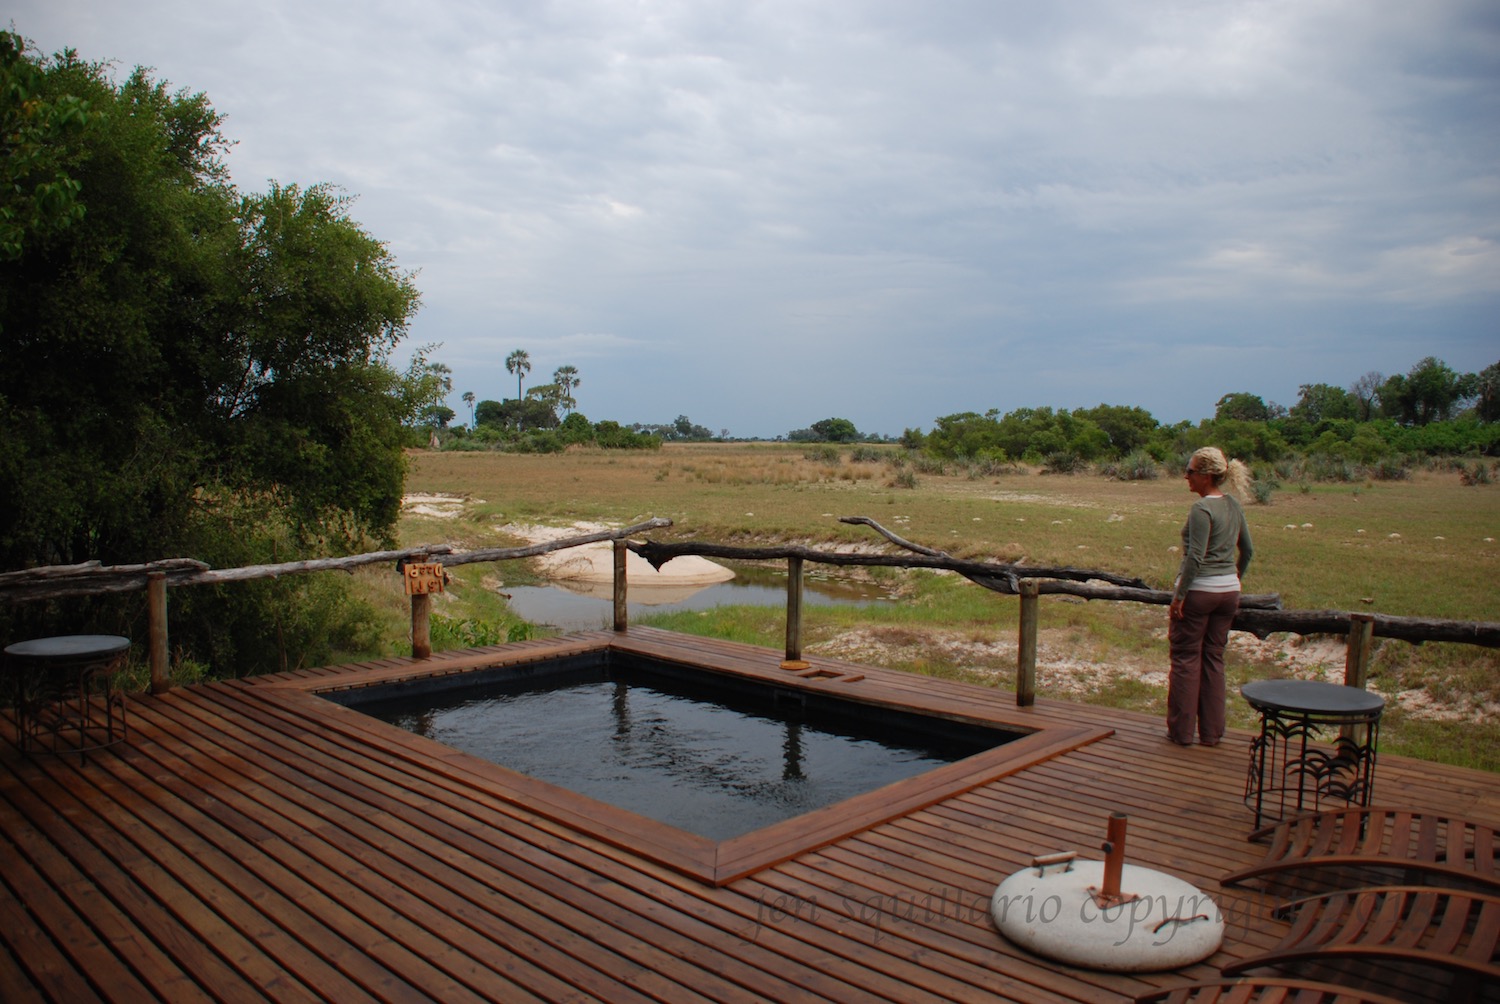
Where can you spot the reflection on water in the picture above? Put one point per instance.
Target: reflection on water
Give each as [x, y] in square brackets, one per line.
[714, 764]
[580, 606]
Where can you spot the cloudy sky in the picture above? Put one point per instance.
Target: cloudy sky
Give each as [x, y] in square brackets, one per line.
[762, 214]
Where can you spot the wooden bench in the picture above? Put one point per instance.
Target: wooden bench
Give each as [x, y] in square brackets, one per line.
[1431, 929]
[1444, 850]
[1263, 991]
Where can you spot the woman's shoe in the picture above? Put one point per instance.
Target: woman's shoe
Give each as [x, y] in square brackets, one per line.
[1175, 741]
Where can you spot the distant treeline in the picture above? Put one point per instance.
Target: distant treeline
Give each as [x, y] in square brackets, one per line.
[1430, 411]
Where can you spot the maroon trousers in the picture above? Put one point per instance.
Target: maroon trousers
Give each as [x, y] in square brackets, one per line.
[1195, 688]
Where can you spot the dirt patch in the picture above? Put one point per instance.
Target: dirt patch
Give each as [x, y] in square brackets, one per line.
[1065, 673]
[436, 506]
[1061, 671]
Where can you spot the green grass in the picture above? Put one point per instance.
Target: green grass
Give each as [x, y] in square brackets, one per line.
[1439, 564]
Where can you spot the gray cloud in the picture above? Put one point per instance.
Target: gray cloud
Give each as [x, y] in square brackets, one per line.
[765, 214]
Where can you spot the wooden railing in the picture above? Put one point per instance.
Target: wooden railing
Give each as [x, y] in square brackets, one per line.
[1260, 615]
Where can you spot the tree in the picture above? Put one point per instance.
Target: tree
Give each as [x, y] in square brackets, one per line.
[1366, 393]
[519, 363]
[37, 130]
[566, 379]
[426, 386]
[1318, 402]
[1128, 428]
[1487, 388]
[1241, 407]
[835, 430]
[187, 370]
[1428, 393]
[468, 399]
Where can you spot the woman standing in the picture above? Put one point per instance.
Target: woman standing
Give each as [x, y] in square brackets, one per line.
[1216, 550]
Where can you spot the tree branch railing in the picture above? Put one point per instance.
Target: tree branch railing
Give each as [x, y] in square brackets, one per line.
[1260, 615]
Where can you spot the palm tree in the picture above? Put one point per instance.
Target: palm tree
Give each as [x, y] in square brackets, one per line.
[566, 378]
[519, 363]
[469, 400]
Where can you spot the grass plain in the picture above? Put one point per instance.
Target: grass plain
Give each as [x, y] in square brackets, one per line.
[1421, 547]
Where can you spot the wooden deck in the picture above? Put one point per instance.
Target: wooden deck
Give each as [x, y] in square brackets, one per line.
[251, 841]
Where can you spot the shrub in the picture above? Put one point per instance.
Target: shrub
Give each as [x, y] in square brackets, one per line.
[1137, 466]
[1391, 469]
[866, 455]
[905, 478]
[1479, 474]
[823, 454]
[923, 463]
[1062, 462]
[1261, 491]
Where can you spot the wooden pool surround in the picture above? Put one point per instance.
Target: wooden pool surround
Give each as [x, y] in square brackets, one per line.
[714, 862]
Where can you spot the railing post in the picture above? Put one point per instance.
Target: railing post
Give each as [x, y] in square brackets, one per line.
[794, 609]
[1357, 656]
[1026, 644]
[621, 552]
[421, 625]
[156, 607]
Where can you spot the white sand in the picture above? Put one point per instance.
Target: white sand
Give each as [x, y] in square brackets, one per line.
[595, 563]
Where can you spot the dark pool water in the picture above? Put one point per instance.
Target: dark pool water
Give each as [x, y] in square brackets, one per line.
[712, 761]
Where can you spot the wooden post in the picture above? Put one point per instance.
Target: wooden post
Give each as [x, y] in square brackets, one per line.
[794, 609]
[1357, 667]
[621, 610]
[421, 625]
[1357, 657]
[1026, 644]
[156, 605]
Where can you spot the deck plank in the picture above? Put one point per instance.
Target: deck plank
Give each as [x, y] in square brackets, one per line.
[251, 842]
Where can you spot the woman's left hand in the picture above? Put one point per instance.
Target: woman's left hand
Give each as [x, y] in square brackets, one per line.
[1175, 610]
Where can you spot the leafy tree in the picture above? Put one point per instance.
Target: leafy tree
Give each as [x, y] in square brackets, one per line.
[468, 399]
[827, 430]
[517, 416]
[1241, 407]
[576, 428]
[1319, 401]
[426, 386]
[519, 363]
[37, 130]
[184, 369]
[836, 430]
[1428, 393]
[1487, 389]
[1127, 428]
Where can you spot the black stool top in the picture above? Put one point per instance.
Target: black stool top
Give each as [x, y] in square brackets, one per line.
[70, 646]
[1311, 697]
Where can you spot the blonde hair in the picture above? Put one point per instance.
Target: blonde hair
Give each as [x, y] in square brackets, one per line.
[1231, 475]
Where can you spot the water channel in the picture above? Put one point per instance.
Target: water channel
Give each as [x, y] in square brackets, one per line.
[571, 606]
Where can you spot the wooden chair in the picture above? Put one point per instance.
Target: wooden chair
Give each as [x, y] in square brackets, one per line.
[1424, 847]
[1424, 928]
[1263, 991]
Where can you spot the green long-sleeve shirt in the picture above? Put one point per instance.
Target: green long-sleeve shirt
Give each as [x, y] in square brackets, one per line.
[1214, 532]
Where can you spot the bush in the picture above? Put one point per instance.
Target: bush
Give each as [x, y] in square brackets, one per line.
[1136, 466]
[1062, 462]
[1391, 469]
[866, 455]
[1261, 491]
[823, 454]
[1479, 474]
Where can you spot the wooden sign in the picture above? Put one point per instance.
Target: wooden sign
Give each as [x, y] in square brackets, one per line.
[426, 577]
